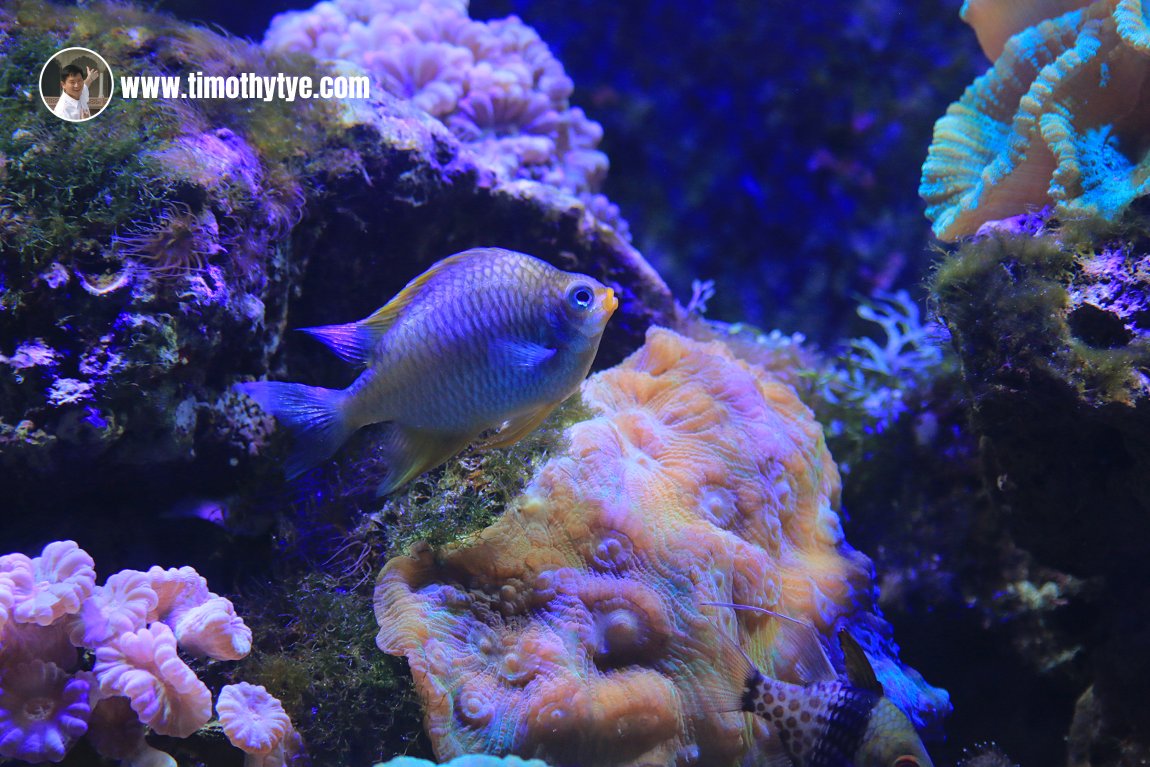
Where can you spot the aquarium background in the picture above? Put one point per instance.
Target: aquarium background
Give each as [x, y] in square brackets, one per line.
[765, 158]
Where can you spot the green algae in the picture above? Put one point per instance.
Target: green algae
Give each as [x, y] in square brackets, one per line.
[314, 649]
[470, 492]
[1006, 300]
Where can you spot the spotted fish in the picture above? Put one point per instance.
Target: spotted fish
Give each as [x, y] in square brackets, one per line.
[484, 339]
[826, 721]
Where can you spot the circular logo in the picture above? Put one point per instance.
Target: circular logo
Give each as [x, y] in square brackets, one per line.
[76, 84]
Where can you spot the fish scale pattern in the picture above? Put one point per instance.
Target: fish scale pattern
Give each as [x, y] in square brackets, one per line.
[573, 628]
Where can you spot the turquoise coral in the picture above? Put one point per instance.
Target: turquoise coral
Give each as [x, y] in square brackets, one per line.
[1060, 119]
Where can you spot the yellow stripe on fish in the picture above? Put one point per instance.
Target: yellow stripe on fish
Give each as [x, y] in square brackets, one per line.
[485, 338]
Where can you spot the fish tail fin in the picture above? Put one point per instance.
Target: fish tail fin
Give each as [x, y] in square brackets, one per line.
[409, 452]
[314, 416]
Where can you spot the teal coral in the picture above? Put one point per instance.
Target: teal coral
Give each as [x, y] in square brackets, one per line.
[1060, 119]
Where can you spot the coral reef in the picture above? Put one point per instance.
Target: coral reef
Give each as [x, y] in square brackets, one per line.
[182, 242]
[572, 628]
[1061, 117]
[494, 84]
[51, 693]
[1050, 324]
[749, 141]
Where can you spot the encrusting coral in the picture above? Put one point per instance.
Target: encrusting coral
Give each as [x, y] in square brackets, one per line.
[1062, 118]
[572, 629]
[136, 623]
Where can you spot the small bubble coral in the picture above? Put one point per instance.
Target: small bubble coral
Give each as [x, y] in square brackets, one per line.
[42, 710]
[164, 692]
[254, 721]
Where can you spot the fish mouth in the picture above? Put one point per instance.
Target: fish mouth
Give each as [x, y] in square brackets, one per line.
[610, 303]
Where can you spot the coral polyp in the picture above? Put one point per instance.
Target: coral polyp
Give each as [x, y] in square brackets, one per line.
[180, 243]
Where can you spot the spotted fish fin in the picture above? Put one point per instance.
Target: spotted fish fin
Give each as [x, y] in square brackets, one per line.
[517, 428]
[797, 654]
[409, 452]
[521, 354]
[860, 672]
[354, 342]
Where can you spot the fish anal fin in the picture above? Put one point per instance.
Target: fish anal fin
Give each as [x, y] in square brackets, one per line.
[860, 672]
[796, 648]
[409, 452]
[517, 428]
[354, 342]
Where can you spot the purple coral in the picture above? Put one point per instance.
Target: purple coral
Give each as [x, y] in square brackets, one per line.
[495, 84]
[42, 710]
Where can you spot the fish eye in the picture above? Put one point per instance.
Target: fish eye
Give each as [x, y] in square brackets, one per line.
[580, 296]
[906, 761]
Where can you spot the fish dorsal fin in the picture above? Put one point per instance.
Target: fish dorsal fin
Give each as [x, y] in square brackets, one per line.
[860, 672]
[355, 342]
[384, 317]
[796, 646]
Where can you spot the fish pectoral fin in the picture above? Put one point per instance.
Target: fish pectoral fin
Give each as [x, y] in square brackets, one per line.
[408, 452]
[796, 655]
[354, 342]
[521, 354]
[517, 428]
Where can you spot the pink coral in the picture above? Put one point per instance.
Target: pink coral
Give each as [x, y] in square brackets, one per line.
[7, 598]
[42, 710]
[204, 624]
[212, 629]
[118, 607]
[165, 693]
[176, 588]
[254, 721]
[50, 586]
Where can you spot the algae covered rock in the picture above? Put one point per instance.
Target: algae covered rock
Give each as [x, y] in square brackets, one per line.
[143, 272]
[1050, 322]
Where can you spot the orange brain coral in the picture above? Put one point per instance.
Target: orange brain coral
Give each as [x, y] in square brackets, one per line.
[571, 629]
